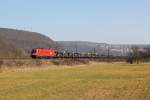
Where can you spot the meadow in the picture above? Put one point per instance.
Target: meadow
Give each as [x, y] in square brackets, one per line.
[94, 81]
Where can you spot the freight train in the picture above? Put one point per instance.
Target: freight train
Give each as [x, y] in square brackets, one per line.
[50, 53]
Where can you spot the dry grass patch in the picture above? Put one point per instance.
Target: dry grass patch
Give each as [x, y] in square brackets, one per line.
[87, 82]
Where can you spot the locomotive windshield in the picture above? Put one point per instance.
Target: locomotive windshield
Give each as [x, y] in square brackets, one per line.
[33, 51]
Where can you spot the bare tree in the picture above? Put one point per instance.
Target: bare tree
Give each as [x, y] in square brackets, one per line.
[134, 55]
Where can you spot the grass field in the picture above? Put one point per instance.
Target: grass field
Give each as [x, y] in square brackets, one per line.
[87, 82]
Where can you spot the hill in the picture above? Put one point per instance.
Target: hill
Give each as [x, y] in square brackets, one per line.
[19, 43]
[101, 48]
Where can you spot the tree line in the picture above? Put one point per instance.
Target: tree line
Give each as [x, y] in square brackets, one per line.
[139, 55]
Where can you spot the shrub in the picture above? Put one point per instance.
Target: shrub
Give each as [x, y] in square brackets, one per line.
[1, 63]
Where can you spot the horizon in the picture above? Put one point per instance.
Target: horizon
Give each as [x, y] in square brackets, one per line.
[71, 40]
[112, 22]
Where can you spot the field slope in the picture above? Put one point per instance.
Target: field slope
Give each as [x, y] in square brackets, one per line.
[87, 82]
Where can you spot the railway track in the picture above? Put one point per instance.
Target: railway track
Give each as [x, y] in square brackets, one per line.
[52, 58]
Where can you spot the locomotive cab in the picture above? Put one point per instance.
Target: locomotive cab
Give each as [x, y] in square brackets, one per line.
[33, 53]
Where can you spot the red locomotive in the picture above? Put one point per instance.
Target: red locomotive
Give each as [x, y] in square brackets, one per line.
[43, 53]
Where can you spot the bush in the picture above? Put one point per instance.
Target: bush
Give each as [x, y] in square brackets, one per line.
[70, 62]
[1, 63]
[38, 63]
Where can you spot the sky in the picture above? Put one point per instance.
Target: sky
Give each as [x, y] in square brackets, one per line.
[105, 21]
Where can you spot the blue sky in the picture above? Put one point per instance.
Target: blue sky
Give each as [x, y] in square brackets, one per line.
[111, 21]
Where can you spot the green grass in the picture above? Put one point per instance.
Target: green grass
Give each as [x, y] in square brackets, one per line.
[87, 82]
